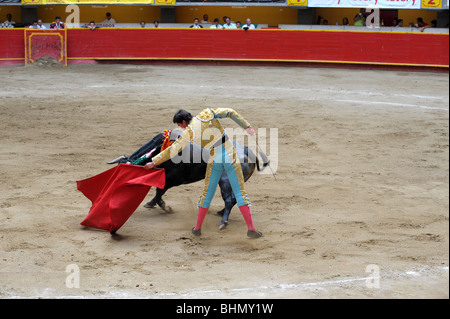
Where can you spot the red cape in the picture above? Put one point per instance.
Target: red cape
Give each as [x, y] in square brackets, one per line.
[116, 193]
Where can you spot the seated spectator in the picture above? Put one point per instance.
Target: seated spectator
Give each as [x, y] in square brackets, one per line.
[92, 26]
[109, 21]
[248, 24]
[399, 23]
[205, 19]
[9, 19]
[228, 24]
[142, 23]
[238, 24]
[58, 24]
[360, 19]
[34, 25]
[40, 25]
[432, 25]
[156, 23]
[395, 22]
[196, 24]
[319, 19]
[420, 23]
[345, 21]
[216, 24]
[325, 22]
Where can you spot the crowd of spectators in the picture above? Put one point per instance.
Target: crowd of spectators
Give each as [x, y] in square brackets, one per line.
[227, 23]
[36, 24]
[358, 20]
[111, 22]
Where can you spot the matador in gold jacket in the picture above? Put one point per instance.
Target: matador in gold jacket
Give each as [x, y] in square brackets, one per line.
[206, 130]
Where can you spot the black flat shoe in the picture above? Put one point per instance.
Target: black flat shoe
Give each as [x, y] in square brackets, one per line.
[196, 232]
[254, 234]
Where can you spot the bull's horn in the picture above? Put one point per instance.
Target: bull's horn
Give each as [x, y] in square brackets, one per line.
[117, 160]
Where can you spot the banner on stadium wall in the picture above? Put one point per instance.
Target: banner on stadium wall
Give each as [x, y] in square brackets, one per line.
[165, 2]
[33, 1]
[297, 3]
[432, 4]
[382, 4]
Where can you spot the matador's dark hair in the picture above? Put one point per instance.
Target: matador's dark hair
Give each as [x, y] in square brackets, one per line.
[182, 115]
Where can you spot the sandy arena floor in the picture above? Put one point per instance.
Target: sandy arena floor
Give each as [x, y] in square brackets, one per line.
[361, 184]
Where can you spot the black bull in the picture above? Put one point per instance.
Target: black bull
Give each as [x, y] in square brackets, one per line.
[189, 166]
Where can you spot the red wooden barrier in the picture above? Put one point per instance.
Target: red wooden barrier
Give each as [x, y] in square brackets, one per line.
[12, 46]
[45, 43]
[358, 47]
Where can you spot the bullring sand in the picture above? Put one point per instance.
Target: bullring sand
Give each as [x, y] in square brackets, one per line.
[361, 184]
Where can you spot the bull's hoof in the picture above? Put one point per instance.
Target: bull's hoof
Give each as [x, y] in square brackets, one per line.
[197, 232]
[149, 205]
[220, 212]
[168, 210]
[162, 204]
[254, 234]
[223, 225]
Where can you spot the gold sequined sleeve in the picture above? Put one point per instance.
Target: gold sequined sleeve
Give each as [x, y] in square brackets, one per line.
[235, 116]
[175, 148]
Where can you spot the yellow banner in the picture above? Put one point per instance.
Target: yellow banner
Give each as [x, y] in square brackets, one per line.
[297, 2]
[28, 2]
[165, 2]
[33, 1]
[432, 4]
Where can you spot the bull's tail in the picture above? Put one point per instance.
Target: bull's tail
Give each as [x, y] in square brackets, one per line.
[265, 161]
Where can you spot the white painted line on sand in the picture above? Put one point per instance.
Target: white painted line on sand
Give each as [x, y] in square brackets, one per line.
[361, 103]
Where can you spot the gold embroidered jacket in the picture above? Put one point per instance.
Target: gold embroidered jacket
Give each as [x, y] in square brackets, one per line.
[204, 129]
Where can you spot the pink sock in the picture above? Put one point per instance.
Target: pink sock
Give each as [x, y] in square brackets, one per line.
[200, 217]
[245, 211]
